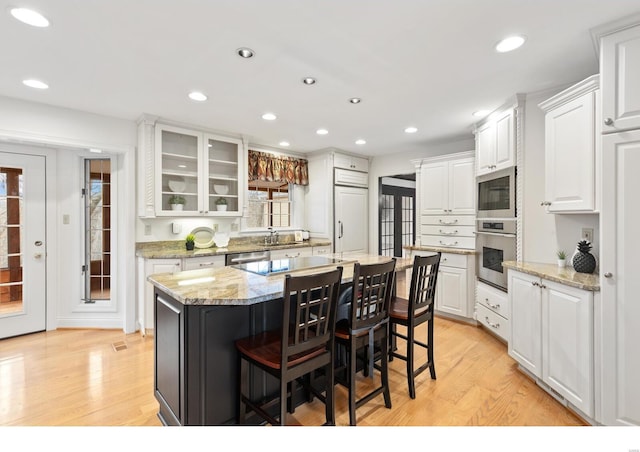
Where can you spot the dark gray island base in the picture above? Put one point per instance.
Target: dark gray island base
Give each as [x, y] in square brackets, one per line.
[195, 358]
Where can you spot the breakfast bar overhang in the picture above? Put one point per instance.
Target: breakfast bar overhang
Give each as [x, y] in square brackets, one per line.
[198, 315]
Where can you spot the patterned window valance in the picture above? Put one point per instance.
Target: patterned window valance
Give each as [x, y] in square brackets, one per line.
[270, 167]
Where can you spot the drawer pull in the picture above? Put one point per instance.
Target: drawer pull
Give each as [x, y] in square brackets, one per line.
[448, 244]
[448, 222]
[495, 326]
[448, 233]
[207, 264]
[492, 306]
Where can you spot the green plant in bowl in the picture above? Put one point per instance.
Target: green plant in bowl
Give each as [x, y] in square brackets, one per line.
[190, 241]
[562, 255]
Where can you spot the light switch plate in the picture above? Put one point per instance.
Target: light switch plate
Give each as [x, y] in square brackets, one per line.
[587, 234]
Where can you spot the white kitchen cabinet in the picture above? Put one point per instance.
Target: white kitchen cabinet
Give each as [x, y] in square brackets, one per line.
[201, 168]
[196, 263]
[552, 336]
[454, 287]
[492, 310]
[350, 162]
[447, 187]
[495, 143]
[291, 253]
[148, 267]
[351, 206]
[620, 72]
[572, 146]
[619, 250]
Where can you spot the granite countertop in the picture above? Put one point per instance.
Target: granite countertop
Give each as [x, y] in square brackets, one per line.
[231, 286]
[552, 272]
[438, 249]
[176, 249]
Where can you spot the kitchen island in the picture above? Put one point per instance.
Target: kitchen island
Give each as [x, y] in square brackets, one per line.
[198, 315]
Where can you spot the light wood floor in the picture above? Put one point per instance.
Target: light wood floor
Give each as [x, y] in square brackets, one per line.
[77, 378]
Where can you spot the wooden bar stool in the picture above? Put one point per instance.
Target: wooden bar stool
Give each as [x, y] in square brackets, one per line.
[414, 311]
[304, 344]
[364, 335]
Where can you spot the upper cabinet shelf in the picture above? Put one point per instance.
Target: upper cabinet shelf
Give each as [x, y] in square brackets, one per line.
[201, 168]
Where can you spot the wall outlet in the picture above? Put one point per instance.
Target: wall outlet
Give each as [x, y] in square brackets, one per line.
[214, 227]
[176, 228]
[587, 234]
[147, 229]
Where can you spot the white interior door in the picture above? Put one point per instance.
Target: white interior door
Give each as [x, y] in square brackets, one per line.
[22, 244]
[352, 220]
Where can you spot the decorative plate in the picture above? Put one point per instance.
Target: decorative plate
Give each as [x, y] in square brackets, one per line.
[177, 185]
[204, 237]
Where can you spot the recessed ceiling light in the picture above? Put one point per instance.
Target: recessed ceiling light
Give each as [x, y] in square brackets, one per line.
[284, 143]
[245, 52]
[355, 100]
[29, 17]
[361, 142]
[269, 116]
[31, 83]
[481, 113]
[197, 96]
[182, 166]
[410, 130]
[309, 81]
[510, 43]
[322, 131]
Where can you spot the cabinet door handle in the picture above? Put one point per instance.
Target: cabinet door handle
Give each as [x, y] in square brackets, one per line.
[207, 264]
[608, 275]
[492, 325]
[545, 203]
[608, 122]
[535, 283]
[542, 286]
[341, 230]
[292, 255]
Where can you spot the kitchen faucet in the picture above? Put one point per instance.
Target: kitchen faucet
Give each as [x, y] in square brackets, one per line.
[272, 238]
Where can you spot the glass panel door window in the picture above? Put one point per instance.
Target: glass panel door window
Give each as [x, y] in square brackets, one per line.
[222, 166]
[11, 240]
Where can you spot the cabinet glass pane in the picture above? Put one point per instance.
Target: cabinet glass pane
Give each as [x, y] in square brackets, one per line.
[222, 164]
[179, 171]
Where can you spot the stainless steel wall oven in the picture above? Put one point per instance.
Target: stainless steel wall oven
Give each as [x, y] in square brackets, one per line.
[495, 243]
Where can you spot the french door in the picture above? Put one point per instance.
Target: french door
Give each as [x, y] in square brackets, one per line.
[397, 219]
[22, 244]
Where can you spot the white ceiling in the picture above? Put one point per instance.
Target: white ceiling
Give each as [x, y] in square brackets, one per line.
[426, 63]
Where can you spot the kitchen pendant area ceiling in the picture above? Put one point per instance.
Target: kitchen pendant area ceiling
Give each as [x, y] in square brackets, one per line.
[423, 64]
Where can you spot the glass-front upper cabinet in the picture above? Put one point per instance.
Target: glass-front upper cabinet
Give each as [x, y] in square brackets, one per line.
[197, 173]
[224, 174]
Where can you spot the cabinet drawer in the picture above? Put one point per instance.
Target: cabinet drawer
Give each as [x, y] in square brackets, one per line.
[468, 243]
[291, 252]
[448, 231]
[194, 263]
[453, 260]
[493, 299]
[493, 322]
[352, 178]
[448, 220]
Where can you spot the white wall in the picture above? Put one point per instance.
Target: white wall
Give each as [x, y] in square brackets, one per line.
[543, 234]
[63, 135]
[400, 163]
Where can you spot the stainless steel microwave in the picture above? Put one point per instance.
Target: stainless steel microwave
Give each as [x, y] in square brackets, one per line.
[497, 194]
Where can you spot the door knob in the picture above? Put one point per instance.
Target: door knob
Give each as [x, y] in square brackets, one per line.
[37, 256]
[608, 275]
[608, 122]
